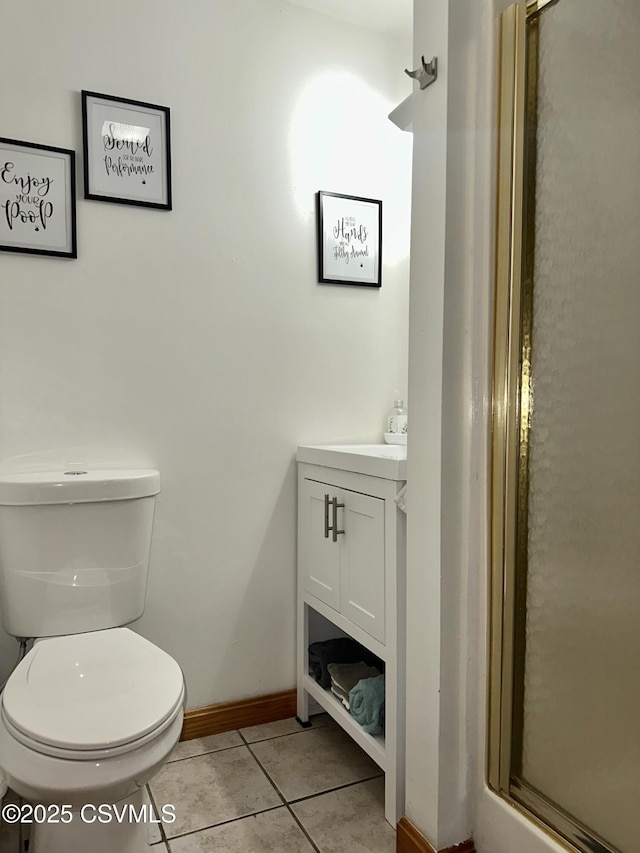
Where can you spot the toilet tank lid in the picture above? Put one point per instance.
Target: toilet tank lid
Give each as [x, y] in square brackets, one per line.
[36, 488]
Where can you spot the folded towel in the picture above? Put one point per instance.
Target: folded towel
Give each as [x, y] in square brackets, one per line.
[338, 650]
[347, 675]
[344, 699]
[365, 703]
[339, 692]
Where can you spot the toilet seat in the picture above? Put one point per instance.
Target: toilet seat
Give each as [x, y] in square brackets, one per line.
[86, 696]
[88, 754]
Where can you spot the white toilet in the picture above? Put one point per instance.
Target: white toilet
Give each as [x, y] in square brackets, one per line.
[94, 710]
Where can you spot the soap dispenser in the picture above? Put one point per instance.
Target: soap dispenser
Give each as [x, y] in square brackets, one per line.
[397, 419]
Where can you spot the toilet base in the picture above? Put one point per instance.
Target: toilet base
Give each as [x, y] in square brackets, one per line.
[94, 834]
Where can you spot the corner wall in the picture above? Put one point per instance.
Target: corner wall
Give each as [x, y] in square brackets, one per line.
[449, 261]
[198, 341]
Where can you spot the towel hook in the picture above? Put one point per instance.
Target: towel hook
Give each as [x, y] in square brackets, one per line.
[426, 74]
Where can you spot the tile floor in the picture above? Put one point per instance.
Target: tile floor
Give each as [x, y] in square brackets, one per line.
[276, 788]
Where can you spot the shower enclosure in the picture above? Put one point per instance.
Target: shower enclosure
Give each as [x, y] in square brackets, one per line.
[565, 641]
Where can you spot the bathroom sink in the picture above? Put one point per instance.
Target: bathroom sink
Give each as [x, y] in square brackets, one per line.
[388, 461]
[388, 451]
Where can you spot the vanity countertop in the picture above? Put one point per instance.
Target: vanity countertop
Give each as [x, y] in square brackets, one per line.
[388, 461]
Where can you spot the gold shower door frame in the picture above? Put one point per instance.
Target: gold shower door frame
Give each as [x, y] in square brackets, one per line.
[517, 128]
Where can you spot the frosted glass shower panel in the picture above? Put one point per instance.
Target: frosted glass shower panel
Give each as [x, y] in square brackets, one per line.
[580, 705]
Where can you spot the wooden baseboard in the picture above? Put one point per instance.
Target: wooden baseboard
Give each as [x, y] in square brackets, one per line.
[410, 840]
[236, 715]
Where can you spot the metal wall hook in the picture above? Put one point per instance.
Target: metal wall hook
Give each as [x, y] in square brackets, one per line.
[426, 74]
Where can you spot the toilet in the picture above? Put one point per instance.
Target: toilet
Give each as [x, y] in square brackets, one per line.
[93, 711]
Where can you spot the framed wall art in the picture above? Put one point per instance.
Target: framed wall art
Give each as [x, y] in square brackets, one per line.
[349, 240]
[37, 199]
[127, 151]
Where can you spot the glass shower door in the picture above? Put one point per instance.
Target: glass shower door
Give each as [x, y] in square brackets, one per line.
[568, 740]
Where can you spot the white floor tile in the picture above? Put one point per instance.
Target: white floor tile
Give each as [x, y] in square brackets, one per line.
[317, 760]
[253, 734]
[212, 788]
[201, 745]
[269, 832]
[350, 820]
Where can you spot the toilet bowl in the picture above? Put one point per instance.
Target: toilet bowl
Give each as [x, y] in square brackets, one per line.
[86, 720]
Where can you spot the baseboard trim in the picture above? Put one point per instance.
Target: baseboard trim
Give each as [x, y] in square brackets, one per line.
[227, 716]
[410, 840]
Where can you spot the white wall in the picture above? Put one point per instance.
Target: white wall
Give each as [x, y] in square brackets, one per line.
[198, 341]
[448, 269]
[424, 612]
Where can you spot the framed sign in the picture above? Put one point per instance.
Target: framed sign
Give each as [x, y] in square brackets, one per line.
[37, 199]
[127, 151]
[349, 240]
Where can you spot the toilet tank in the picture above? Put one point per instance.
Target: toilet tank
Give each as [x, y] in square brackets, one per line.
[74, 549]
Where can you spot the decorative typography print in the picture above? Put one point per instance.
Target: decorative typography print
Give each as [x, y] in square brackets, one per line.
[349, 237]
[127, 150]
[37, 199]
[29, 202]
[351, 240]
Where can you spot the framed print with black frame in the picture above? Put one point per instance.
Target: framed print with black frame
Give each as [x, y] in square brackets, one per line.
[37, 199]
[127, 151]
[349, 240]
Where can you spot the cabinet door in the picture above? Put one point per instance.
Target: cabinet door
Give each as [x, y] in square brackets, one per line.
[362, 568]
[319, 556]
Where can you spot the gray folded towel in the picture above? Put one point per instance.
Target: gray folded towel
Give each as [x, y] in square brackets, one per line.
[347, 675]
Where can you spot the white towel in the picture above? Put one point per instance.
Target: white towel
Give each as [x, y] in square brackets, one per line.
[401, 499]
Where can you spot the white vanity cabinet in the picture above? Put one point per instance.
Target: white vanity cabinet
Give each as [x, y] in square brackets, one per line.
[351, 561]
[344, 570]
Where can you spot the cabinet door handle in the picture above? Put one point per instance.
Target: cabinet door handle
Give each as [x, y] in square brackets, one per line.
[334, 527]
[326, 517]
[331, 528]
